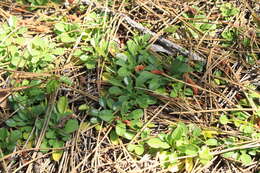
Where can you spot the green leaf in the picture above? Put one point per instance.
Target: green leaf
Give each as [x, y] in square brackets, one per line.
[139, 149]
[56, 156]
[102, 102]
[12, 21]
[188, 92]
[223, 119]
[3, 133]
[83, 107]
[206, 27]
[120, 129]
[11, 123]
[179, 67]
[144, 101]
[246, 159]
[246, 129]
[136, 114]
[15, 135]
[110, 103]
[123, 72]
[129, 135]
[172, 28]
[155, 83]
[62, 104]
[131, 147]
[90, 64]
[51, 134]
[94, 112]
[212, 142]
[114, 137]
[196, 131]
[122, 57]
[233, 155]
[178, 132]
[228, 10]
[94, 120]
[205, 155]
[143, 77]
[18, 61]
[66, 80]
[114, 90]
[157, 143]
[174, 93]
[106, 115]
[132, 47]
[58, 51]
[26, 135]
[84, 57]
[71, 126]
[52, 85]
[229, 35]
[191, 149]
[115, 82]
[65, 38]
[43, 146]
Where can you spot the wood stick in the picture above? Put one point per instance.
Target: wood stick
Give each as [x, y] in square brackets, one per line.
[166, 44]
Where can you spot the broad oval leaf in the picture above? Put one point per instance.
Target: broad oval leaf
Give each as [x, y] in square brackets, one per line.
[106, 115]
[114, 137]
[246, 159]
[56, 156]
[212, 142]
[3, 133]
[139, 149]
[71, 126]
[136, 114]
[62, 104]
[120, 129]
[123, 71]
[114, 90]
[157, 143]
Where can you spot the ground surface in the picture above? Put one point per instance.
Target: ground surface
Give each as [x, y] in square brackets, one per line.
[130, 86]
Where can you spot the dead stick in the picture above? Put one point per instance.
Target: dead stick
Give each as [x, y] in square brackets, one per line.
[166, 44]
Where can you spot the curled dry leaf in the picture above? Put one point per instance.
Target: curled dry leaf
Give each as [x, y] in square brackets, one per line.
[18, 9]
[72, 17]
[139, 68]
[25, 22]
[127, 122]
[42, 28]
[258, 123]
[71, 1]
[3, 99]
[156, 72]
[190, 81]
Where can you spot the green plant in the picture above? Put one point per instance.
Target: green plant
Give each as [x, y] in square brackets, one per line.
[8, 140]
[230, 36]
[228, 10]
[38, 2]
[60, 127]
[34, 55]
[182, 141]
[95, 45]
[201, 24]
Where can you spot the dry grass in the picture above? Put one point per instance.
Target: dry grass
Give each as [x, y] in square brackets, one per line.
[90, 150]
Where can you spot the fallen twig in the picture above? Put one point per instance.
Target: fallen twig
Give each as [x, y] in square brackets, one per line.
[167, 46]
